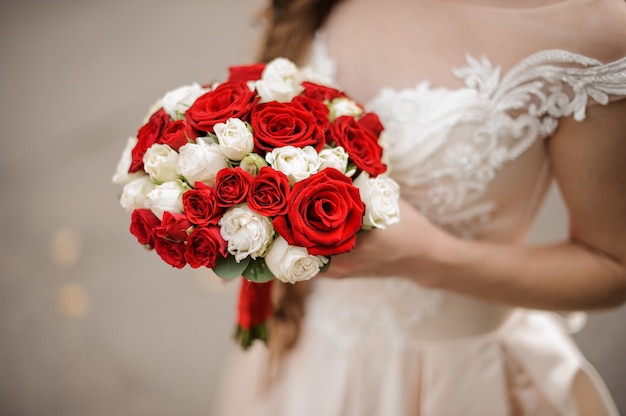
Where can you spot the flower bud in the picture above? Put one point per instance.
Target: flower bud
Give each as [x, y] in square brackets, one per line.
[252, 163]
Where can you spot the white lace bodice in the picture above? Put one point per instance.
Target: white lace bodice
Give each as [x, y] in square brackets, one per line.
[471, 159]
[447, 145]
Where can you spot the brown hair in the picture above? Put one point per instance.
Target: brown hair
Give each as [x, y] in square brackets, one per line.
[291, 26]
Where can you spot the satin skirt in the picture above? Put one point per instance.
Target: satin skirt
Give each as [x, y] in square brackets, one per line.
[528, 365]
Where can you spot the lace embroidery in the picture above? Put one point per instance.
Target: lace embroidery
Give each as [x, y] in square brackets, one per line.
[445, 147]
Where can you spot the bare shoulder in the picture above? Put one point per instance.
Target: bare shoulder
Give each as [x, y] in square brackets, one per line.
[602, 30]
[588, 159]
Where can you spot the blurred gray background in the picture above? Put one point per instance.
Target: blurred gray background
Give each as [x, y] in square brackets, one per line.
[90, 323]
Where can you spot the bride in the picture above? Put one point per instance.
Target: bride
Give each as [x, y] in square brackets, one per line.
[449, 312]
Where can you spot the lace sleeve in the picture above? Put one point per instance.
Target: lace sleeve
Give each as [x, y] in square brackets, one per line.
[559, 83]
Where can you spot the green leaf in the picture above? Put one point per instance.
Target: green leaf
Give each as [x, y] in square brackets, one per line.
[228, 268]
[246, 337]
[326, 266]
[258, 272]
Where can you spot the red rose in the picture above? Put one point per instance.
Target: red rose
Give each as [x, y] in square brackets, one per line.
[371, 122]
[360, 143]
[205, 246]
[172, 252]
[142, 225]
[269, 191]
[318, 109]
[245, 72]
[231, 186]
[173, 227]
[177, 134]
[148, 135]
[285, 124]
[324, 214]
[321, 92]
[228, 100]
[200, 205]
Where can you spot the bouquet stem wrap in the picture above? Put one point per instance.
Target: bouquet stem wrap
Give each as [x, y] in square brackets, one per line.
[254, 309]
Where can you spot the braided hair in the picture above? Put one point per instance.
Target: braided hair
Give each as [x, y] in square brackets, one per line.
[291, 26]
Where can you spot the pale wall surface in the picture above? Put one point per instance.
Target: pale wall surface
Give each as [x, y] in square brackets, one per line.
[90, 323]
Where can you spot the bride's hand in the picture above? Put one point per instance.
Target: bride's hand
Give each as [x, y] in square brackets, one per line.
[400, 250]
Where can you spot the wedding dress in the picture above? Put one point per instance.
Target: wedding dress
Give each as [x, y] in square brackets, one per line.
[471, 157]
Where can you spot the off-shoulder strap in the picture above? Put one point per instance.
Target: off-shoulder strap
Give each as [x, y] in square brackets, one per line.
[553, 83]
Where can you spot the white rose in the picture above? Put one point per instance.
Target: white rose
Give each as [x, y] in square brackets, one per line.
[383, 141]
[335, 157]
[291, 264]
[281, 81]
[177, 101]
[166, 197]
[235, 138]
[380, 196]
[121, 175]
[296, 163]
[200, 161]
[247, 233]
[344, 107]
[135, 192]
[310, 74]
[161, 162]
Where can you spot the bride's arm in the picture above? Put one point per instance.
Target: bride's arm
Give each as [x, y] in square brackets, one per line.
[587, 271]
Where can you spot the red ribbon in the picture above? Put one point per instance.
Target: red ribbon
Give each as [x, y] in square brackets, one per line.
[255, 303]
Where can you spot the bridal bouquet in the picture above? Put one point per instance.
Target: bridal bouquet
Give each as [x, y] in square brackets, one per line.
[266, 176]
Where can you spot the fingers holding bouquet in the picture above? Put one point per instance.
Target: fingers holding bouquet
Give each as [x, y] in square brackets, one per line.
[399, 249]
